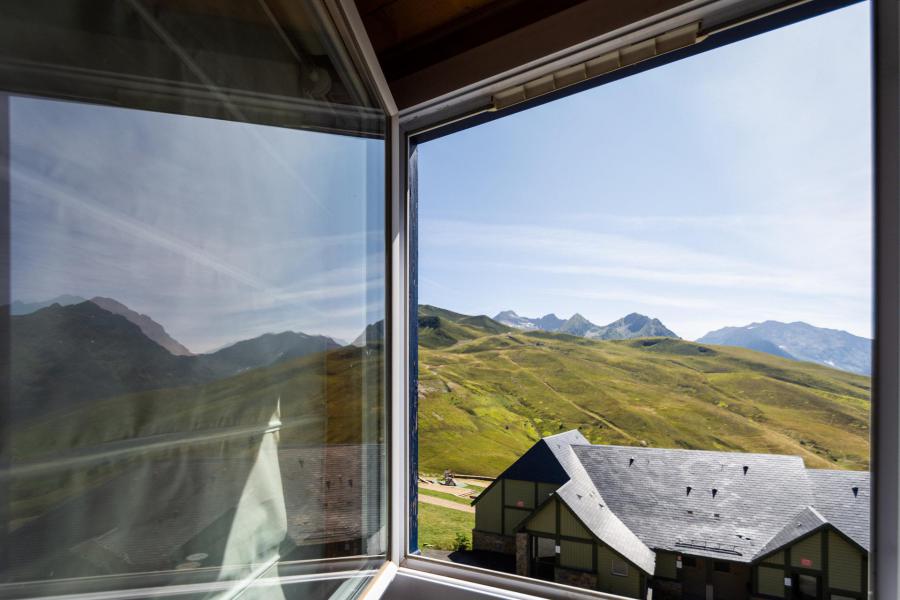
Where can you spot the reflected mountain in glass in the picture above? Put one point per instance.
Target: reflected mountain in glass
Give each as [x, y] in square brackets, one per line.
[127, 458]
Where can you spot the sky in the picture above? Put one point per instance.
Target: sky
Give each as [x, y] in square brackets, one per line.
[727, 188]
[219, 231]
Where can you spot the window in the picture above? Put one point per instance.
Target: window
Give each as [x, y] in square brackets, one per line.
[687, 227]
[619, 568]
[196, 241]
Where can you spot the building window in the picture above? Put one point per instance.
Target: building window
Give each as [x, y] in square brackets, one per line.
[619, 567]
[196, 267]
[722, 566]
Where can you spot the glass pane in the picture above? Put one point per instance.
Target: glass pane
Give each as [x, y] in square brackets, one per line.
[645, 321]
[196, 292]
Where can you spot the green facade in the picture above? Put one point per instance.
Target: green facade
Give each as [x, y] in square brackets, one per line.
[846, 564]
[512, 517]
[770, 581]
[544, 520]
[579, 550]
[628, 585]
[807, 553]
[576, 555]
[570, 526]
[489, 510]
[507, 502]
[841, 564]
[520, 494]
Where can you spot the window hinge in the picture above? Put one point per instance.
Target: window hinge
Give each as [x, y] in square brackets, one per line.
[681, 37]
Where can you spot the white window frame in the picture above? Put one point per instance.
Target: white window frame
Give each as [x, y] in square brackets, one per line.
[884, 576]
[622, 572]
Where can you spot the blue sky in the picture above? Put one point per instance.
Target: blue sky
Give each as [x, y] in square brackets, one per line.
[219, 231]
[727, 188]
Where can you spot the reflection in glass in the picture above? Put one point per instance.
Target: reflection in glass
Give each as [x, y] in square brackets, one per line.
[195, 364]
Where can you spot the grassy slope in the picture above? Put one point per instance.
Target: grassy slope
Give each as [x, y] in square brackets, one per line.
[438, 526]
[318, 399]
[485, 397]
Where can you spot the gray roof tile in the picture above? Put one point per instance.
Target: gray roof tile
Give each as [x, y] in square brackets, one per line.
[729, 505]
[836, 500]
[804, 522]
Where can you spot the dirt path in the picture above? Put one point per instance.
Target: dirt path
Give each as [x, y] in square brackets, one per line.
[447, 489]
[446, 503]
[481, 483]
[567, 400]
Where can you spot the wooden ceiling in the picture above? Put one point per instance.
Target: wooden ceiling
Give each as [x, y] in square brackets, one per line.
[430, 47]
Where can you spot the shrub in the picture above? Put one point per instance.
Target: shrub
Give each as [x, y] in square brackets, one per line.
[461, 542]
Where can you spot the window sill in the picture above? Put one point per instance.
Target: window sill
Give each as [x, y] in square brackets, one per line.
[484, 583]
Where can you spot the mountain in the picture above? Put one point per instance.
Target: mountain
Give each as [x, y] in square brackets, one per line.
[800, 341]
[548, 322]
[66, 355]
[24, 308]
[630, 326]
[486, 397]
[438, 327]
[63, 355]
[633, 326]
[263, 351]
[151, 328]
[372, 334]
[578, 325]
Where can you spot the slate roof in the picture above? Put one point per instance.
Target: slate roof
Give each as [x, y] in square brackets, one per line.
[580, 495]
[834, 498]
[727, 505]
[739, 506]
[804, 522]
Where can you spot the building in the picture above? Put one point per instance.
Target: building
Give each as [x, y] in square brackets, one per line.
[684, 523]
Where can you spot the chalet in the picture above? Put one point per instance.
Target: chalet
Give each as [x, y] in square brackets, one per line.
[682, 523]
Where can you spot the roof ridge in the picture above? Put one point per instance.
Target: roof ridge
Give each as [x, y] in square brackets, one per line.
[700, 451]
[636, 549]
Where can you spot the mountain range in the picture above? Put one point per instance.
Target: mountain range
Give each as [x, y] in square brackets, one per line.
[795, 341]
[487, 391]
[66, 355]
[799, 341]
[630, 326]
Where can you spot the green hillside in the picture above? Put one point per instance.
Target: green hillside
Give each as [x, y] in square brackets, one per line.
[324, 398]
[488, 392]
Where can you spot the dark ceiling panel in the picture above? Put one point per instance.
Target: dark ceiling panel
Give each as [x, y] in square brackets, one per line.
[427, 49]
